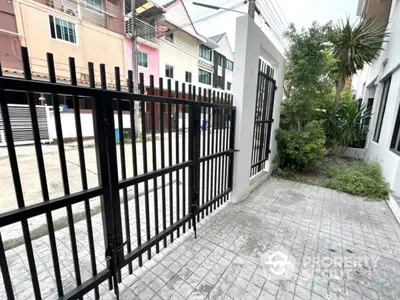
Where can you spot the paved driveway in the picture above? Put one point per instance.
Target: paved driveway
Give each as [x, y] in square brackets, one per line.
[286, 241]
[337, 247]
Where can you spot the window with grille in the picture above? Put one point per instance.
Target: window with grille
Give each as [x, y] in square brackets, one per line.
[382, 107]
[62, 30]
[204, 77]
[169, 71]
[142, 59]
[205, 52]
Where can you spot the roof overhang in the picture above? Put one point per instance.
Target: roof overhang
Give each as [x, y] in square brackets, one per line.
[210, 43]
[145, 8]
[168, 19]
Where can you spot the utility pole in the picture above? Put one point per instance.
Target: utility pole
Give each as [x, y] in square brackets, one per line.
[135, 71]
[134, 50]
[252, 8]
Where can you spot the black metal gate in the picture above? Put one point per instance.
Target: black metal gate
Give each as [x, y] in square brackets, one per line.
[185, 174]
[263, 117]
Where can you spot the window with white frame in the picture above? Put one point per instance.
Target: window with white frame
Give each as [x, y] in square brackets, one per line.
[382, 108]
[62, 30]
[142, 59]
[395, 144]
[94, 4]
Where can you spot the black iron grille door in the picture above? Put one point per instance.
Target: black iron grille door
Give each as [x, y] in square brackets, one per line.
[162, 160]
[263, 117]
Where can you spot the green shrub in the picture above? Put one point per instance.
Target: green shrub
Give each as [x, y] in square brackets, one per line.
[361, 178]
[346, 124]
[301, 149]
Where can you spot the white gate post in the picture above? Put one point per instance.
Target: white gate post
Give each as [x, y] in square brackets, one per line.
[251, 43]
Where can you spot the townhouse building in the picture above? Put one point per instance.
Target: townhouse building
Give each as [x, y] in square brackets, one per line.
[169, 46]
[89, 30]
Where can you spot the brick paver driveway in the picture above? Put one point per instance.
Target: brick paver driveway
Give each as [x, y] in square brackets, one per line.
[339, 247]
[285, 241]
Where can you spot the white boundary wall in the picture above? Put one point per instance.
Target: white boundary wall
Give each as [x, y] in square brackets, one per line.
[68, 123]
[251, 43]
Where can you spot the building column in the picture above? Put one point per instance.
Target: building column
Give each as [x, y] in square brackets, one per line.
[251, 43]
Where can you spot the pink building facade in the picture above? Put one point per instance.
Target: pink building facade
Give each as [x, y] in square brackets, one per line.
[152, 60]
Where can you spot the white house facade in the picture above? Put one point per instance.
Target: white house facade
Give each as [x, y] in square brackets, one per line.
[378, 86]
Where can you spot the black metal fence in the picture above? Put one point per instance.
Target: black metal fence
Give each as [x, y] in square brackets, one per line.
[189, 170]
[263, 117]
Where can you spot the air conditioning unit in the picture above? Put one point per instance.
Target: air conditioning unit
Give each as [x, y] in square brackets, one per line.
[71, 12]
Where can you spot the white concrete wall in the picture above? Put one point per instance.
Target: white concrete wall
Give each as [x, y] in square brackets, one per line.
[68, 123]
[182, 54]
[252, 43]
[370, 82]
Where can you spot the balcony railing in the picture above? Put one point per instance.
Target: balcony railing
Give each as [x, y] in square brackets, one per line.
[83, 10]
[144, 30]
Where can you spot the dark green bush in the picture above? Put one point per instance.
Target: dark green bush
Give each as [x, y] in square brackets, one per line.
[361, 178]
[301, 149]
[346, 124]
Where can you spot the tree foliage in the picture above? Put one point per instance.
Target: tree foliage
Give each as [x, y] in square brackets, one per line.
[355, 45]
[308, 84]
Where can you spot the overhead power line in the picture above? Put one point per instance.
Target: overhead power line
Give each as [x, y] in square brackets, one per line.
[203, 19]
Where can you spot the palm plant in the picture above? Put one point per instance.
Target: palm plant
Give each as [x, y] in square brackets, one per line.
[346, 125]
[355, 45]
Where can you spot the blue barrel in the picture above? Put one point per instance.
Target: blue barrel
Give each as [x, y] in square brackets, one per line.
[204, 126]
[117, 135]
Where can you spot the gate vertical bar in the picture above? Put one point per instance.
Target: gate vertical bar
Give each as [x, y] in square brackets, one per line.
[162, 146]
[154, 159]
[115, 236]
[270, 115]
[171, 194]
[194, 155]
[144, 147]
[123, 164]
[184, 200]
[177, 155]
[231, 148]
[135, 164]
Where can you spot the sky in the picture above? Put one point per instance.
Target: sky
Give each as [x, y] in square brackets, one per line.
[300, 12]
